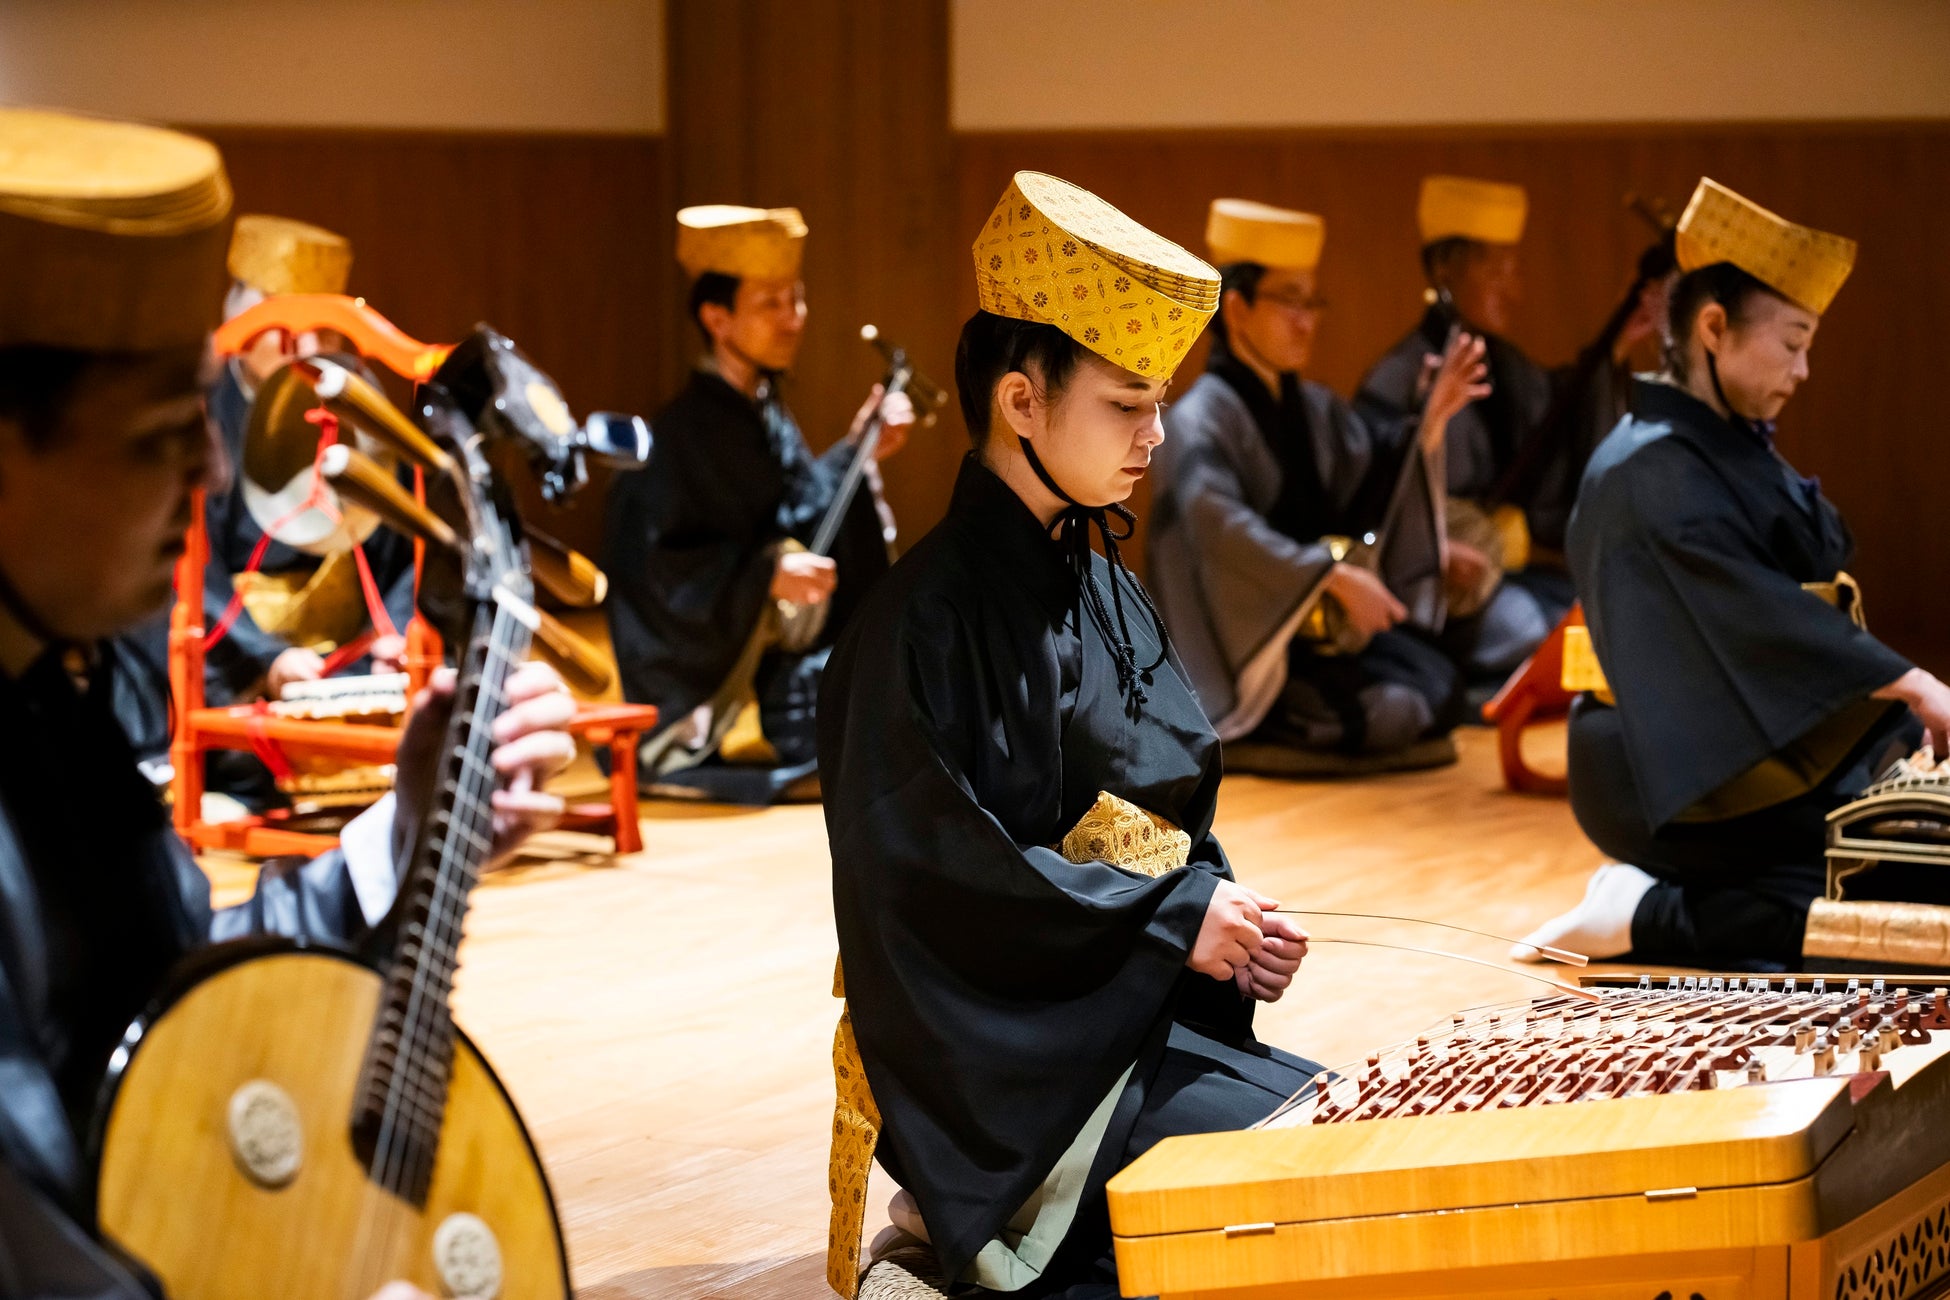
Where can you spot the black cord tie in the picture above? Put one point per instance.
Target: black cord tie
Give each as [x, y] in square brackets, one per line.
[1072, 529]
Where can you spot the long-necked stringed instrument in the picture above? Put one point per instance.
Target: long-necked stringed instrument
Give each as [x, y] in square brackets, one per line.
[293, 1121]
[799, 626]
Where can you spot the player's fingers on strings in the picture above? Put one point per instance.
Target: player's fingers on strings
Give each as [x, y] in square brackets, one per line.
[544, 752]
[549, 711]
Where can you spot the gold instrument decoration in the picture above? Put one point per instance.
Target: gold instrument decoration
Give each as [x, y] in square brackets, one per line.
[1904, 817]
[1112, 830]
[278, 470]
[1710, 1135]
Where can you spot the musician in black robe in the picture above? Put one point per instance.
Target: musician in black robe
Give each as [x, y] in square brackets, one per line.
[1746, 703]
[702, 543]
[102, 439]
[1515, 455]
[1031, 1018]
[1264, 477]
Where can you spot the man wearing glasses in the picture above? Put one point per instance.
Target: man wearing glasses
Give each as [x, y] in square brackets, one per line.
[1297, 556]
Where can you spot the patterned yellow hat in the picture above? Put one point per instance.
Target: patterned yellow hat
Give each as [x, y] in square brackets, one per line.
[276, 255]
[1054, 253]
[750, 243]
[1803, 265]
[111, 234]
[1457, 207]
[1240, 230]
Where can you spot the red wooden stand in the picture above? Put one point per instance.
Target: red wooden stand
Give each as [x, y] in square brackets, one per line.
[1535, 693]
[200, 729]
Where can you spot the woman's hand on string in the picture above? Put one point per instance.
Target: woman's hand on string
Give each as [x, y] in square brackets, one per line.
[1271, 969]
[1231, 933]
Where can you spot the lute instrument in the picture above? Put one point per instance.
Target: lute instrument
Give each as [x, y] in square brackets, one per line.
[296, 1120]
[800, 626]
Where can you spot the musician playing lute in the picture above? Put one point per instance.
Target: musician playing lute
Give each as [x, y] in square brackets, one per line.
[702, 543]
[1513, 456]
[1262, 468]
[102, 440]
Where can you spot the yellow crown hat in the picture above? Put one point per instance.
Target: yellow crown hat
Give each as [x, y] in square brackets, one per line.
[111, 234]
[750, 243]
[1057, 254]
[1240, 230]
[1459, 207]
[1805, 266]
[276, 255]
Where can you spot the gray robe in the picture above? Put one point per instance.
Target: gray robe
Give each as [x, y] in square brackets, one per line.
[1482, 442]
[1233, 588]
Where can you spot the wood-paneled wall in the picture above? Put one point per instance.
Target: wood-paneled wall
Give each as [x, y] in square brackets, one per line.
[564, 242]
[1869, 421]
[838, 108]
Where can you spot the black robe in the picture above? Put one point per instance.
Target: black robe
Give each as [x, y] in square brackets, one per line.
[690, 541]
[1690, 544]
[98, 899]
[999, 991]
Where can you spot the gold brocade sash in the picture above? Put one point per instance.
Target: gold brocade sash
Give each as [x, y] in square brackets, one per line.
[1788, 773]
[320, 610]
[1114, 830]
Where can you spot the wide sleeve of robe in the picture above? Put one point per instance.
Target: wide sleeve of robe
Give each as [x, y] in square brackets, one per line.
[1229, 579]
[1716, 655]
[997, 990]
[687, 547]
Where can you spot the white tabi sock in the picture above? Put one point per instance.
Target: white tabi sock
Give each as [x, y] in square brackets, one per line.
[1600, 926]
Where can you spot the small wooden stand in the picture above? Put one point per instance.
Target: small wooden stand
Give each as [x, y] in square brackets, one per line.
[1535, 693]
[200, 729]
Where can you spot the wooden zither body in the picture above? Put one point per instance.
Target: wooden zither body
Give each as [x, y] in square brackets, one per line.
[1719, 1138]
[230, 1170]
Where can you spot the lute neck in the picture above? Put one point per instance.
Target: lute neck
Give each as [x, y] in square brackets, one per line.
[401, 1100]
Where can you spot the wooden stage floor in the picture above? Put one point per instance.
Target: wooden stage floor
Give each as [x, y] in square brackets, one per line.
[664, 1020]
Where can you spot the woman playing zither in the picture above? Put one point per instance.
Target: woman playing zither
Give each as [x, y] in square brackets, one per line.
[1748, 702]
[1030, 1017]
